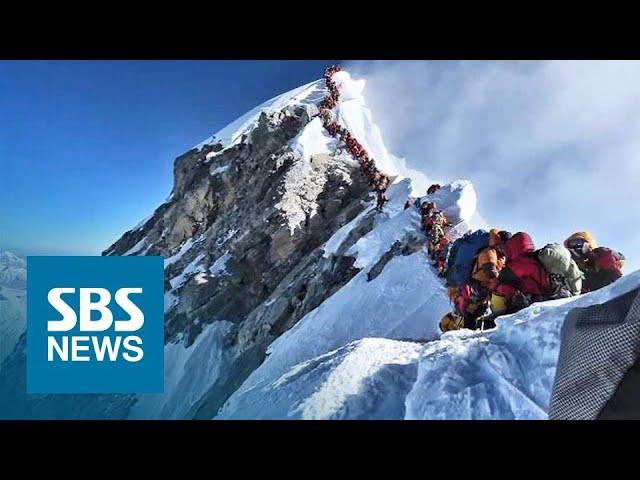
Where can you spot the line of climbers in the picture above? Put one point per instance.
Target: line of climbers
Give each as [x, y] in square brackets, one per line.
[436, 227]
[494, 273]
[377, 180]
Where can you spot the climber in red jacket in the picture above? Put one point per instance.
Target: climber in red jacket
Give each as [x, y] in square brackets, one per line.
[523, 280]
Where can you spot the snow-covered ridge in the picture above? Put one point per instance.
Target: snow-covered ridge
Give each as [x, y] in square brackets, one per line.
[351, 112]
[404, 302]
[504, 373]
[307, 95]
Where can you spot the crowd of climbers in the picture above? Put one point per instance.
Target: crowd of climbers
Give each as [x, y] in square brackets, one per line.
[488, 273]
[493, 273]
[378, 181]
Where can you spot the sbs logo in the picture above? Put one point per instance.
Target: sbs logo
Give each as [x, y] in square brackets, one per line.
[105, 347]
[95, 324]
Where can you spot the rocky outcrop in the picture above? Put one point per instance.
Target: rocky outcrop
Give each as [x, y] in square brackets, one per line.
[408, 246]
[242, 233]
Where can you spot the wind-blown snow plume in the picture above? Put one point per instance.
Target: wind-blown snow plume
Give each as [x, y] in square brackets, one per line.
[552, 147]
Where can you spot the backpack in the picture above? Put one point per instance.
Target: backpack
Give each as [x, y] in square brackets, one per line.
[556, 259]
[607, 259]
[462, 256]
[604, 267]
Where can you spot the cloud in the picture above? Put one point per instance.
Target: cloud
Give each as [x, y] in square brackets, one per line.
[551, 146]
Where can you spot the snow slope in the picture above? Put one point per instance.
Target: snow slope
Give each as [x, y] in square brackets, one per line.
[405, 302]
[309, 95]
[504, 373]
[353, 114]
[189, 372]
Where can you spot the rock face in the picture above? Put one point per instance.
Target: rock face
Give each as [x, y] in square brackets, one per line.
[241, 236]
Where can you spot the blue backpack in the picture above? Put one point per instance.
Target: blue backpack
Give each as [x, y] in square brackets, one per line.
[462, 254]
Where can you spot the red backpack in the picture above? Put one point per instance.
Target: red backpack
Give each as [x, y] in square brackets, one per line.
[607, 259]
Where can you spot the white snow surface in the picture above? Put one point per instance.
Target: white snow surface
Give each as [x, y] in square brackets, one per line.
[405, 302]
[219, 267]
[457, 200]
[503, 373]
[217, 170]
[308, 95]
[184, 248]
[136, 248]
[353, 114]
[170, 301]
[313, 140]
[189, 373]
[299, 200]
[302, 185]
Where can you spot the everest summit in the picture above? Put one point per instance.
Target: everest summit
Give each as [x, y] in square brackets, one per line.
[289, 296]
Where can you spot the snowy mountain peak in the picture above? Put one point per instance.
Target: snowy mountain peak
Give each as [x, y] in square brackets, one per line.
[308, 95]
[287, 295]
[13, 270]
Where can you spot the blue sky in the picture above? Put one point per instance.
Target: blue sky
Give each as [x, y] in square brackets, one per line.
[87, 147]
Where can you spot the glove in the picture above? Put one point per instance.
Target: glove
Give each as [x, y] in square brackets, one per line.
[518, 302]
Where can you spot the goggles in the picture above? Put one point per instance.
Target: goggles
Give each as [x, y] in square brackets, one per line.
[577, 244]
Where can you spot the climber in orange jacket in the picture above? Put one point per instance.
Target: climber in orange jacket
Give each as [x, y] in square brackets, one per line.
[488, 265]
[491, 260]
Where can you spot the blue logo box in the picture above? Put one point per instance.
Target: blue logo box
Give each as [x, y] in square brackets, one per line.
[95, 324]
